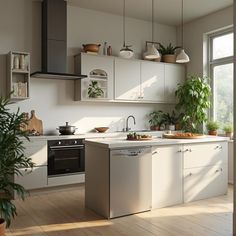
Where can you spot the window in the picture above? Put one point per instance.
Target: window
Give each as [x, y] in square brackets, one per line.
[221, 72]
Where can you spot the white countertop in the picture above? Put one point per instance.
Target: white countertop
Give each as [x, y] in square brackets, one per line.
[121, 142]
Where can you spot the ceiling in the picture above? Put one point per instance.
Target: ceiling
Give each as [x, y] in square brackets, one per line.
[166, 11]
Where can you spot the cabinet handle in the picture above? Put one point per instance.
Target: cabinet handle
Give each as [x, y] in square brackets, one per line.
[219, 147]
[180, 151]
[154, 153]
[219, 170]
[190, 174]
[188, 150]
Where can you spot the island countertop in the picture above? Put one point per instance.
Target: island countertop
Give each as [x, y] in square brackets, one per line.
[121, 142]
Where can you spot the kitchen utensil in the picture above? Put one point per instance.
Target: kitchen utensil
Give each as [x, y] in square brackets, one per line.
[67, 129]
[101, 129]
[35, 125]
[91, 47]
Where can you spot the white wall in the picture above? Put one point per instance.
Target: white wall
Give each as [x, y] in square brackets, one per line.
[194, 37]
[20, 27]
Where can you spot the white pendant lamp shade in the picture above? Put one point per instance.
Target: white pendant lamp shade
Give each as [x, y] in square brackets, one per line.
[182, 57]
[151, 53]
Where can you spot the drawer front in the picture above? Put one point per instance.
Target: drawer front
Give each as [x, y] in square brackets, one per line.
[37, 150]
[32, 180]
[205, 154]
[205, 182]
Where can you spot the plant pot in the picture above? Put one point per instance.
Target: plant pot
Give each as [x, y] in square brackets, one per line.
[171, 127]
[2, 227]
[229, 134]
[169, 58]
[212, 132]
[155, 127]
[177, 126]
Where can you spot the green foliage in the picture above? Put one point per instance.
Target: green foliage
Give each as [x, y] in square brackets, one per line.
[94, 90]
[12, 158]
[193, 99]
[167, 50]
[170, 119]
[212, 125]
[156, 118]
[228, 128]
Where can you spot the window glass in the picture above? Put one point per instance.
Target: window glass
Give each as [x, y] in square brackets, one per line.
[223, 46]
[223, 93]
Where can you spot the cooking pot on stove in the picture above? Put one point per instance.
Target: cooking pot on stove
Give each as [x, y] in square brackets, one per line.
[67, 129]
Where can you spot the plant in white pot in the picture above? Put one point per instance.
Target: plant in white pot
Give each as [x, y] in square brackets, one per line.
[170, 120]
[12, 158]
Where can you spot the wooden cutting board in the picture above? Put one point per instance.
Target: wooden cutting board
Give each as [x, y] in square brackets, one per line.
[35, 124]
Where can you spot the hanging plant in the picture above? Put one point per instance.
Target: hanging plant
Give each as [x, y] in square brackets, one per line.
[193, 100]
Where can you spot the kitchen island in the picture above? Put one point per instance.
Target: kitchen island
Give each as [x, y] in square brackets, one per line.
[126, 177]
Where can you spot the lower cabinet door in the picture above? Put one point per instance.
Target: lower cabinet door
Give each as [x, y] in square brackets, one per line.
[37, 178]
[205, 182]
[167, 176]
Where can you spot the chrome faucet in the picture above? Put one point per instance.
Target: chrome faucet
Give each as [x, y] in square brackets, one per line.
[127, 122]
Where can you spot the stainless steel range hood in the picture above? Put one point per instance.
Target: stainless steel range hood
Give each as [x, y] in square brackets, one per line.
[54, 42]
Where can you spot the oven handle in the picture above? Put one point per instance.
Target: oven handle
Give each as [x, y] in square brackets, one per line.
[68, 146]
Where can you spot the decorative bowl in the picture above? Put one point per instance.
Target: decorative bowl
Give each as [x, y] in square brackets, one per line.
[101, 129]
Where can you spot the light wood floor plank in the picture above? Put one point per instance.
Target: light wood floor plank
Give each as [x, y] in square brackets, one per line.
[61, 212]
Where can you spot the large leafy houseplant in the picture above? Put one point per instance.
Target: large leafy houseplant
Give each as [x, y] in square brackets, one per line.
[193, 99]
[12, 158]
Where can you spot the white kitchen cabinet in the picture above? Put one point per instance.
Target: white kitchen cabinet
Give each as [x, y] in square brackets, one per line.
[127, 79]
[205, 182]
[174, 75]
[205, 154]
[36, 149]
[205, 170]
[37, 178]
[97, 68]
[167, 176]
[152, 81]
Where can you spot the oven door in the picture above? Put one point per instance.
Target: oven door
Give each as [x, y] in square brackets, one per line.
[65, 159]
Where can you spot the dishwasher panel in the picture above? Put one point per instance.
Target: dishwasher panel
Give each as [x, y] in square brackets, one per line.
[130, 181]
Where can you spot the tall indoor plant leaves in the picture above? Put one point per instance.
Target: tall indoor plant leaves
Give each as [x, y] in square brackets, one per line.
[193, 100]
[12, 158]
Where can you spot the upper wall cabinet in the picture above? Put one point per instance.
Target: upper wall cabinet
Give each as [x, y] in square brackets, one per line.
[127, 79]
[174, 75]
[152, 81]
[137, 80]
[18, 71]
[99, 84]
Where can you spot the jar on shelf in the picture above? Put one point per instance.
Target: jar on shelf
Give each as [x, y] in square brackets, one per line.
[16, 62]
[22, 62]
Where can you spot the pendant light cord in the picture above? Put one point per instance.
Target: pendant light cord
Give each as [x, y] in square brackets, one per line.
[124, 24]
[152, 20]
[182, 23]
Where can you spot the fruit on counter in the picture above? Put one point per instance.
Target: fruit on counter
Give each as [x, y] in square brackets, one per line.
[135, 136]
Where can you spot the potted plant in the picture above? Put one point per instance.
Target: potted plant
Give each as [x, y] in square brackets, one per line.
[155, 120]
[168, 53]
[228, 128]
[193, 100]
[170, 120]
[94, 91]
[212, 127]
[12, 158]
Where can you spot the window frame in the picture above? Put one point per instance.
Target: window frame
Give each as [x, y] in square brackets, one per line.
[212, 63]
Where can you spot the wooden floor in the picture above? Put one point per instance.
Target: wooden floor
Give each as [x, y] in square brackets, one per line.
[58, 213]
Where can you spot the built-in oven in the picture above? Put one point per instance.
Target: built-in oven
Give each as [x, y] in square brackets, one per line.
[65, 156]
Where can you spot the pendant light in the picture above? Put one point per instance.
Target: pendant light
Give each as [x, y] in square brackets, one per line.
[152, 52]
[182, 57]
[125, 52]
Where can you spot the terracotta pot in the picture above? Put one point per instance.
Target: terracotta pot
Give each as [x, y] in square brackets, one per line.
[91, 47]
[212, 132]
[155, 127]
[2, 227]
[169, 58]
[177, 126]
